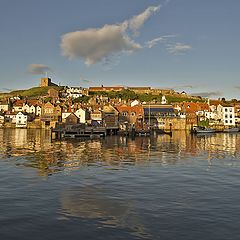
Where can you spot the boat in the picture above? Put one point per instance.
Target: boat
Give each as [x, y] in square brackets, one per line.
[231, 130]
[203, 130]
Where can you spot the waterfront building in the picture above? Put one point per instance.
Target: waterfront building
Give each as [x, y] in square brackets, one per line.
[71, 119]
[10, 117]
[51, 114]
[110, 116]
[21, 120]
[82, 114]
[96, 116]
[228, 115]
[130, 114]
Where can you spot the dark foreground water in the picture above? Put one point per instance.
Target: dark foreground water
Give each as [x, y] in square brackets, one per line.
[184, 187]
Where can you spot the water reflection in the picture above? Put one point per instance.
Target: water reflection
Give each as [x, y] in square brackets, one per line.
[98, 204]
[113, 152]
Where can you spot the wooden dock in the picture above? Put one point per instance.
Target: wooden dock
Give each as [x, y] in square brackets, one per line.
[78, 131]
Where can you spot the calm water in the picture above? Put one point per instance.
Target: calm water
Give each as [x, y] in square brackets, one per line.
[184, 187]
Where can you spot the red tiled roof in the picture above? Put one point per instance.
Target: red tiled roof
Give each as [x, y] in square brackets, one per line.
[138, 109]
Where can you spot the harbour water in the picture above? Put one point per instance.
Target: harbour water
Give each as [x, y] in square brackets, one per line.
[160, 187]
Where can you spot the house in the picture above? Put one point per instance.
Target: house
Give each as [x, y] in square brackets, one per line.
[71, 119]
[53, 93]
[228, 115]
[65, 114]
[18, 105]
[203, 110]
[222, 113]
[51, 114]
[237, 114]
[74, 92]
[21, 120]
[38, 110]
[4, 106]
[110, 116]
[82, 114]
[28, 108]
[10, 117]
[190, 109]
[96, 117]
[130, 114]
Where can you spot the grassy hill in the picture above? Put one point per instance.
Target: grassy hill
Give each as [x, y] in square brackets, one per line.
[32, 93]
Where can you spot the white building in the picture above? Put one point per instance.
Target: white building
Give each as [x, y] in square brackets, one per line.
[164, 100]
[228, 116]
[38, 110]
[134, 103]
[74, 92]
[29, 108]
[21, 119]
[81, 114]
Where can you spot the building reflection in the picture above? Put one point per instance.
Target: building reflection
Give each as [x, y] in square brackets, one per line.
[101, 205]
[37, 151]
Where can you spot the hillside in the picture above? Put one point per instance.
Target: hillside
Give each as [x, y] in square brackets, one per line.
[31, 93]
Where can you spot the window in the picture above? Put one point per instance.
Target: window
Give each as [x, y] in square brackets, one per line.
[226, 110]
[230, 116]
[230, 110]
[230, 121]
[226, 121]
[226, 116]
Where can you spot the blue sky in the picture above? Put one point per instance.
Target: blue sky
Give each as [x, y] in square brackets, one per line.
[187, 45]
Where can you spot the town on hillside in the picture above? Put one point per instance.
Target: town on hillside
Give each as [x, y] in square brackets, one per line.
[116, 107]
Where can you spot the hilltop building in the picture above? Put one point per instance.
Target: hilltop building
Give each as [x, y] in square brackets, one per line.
[46, 82]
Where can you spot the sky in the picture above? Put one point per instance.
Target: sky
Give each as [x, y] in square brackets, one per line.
[185, 45]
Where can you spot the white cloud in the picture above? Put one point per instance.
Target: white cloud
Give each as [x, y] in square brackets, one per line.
[153, 42]
[138, 21]
[36, 68]
[93, 44]
[96, 44]
[178, 48]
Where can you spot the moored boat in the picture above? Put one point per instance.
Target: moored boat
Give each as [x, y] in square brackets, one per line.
[231, 130]
[203, 130]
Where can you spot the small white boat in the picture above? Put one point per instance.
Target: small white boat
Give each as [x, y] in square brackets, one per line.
[231, 130]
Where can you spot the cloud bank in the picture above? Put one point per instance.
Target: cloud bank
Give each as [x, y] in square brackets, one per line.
[38, 68]
[208, 94]
[96, 44]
